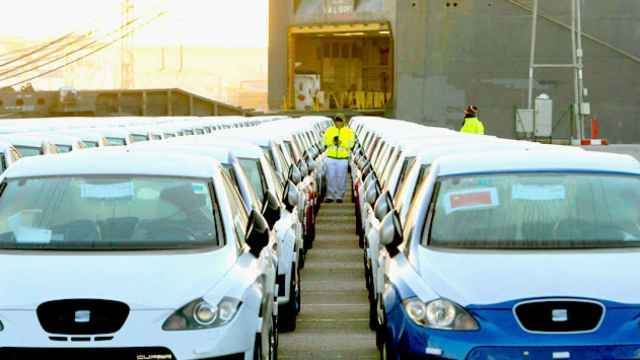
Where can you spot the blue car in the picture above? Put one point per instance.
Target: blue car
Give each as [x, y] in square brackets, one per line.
[515, 255]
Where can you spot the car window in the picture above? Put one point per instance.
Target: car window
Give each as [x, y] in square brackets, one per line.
[407, 167]
[238, 211]
[536, 211]
[64, 148]
[253, 170]
[272, 177]
[139, 138]
[26, 151]
[116, 141]
[107, 213]
[90, 144]
[156, 137]
[3, 162]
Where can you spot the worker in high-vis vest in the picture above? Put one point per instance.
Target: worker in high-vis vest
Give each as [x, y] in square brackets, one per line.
[472, 125]
[339, 140]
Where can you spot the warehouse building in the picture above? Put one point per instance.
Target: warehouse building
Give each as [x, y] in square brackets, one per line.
[424, 60]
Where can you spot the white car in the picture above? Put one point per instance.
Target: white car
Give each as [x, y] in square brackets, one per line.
[254, 175]
[29, 145]
[144, 256]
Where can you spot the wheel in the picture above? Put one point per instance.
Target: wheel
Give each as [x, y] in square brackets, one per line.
[373, 314]
[265, 354]
[288, 312]
[302, 257]
[383, 345]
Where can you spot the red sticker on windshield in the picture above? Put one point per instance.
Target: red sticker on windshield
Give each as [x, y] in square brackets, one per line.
[471, 199]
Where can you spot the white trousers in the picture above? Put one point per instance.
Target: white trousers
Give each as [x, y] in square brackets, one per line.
[336, 178]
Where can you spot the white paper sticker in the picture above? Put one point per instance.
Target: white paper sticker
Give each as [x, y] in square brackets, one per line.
[471, 199]
[107, 191]
[27, 234]
[538, 192]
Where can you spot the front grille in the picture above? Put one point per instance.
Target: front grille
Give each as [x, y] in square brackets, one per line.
[93, 354]
[82, 316]
[280, 280]
[558, 316]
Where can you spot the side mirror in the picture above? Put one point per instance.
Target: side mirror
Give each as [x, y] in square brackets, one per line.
[295, 175]
[271, 209]
[366, 169]
[383, 205]
[304, 170]
[372, 192]
[257, 233]
[391, 233]
[291, 196]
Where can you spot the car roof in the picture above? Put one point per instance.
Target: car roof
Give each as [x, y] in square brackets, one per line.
[535, 160]
[23, 140]
[221, 154]
[115, 163]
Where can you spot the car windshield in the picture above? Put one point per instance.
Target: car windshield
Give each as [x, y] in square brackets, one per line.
[139, 138]
[116, 141]
[107, 213]
[64, 148]
[90, 144]
[536, 211]
[26, 151]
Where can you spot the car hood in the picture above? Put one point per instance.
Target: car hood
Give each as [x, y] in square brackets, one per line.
[143, 280]
[493, 277]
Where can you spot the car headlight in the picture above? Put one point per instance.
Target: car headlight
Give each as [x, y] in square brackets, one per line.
[440, 314]
[199, 314]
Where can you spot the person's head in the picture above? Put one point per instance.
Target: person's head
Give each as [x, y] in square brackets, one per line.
[471, 111]
[340, 121]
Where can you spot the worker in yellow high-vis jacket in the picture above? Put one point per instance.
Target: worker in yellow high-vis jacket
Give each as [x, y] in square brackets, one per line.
[472, 125]
[339, 140]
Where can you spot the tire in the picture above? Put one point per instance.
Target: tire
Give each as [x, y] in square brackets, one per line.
[373, 315]
[383, 347]
[271, 353]
[288, 312]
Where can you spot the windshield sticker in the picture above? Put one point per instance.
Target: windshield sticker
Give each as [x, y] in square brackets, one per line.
[538, 192]
[471, 199]
[27, 234]
[199, 188]
[107, 191]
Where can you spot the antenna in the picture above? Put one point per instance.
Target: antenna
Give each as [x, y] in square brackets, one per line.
[127, 57]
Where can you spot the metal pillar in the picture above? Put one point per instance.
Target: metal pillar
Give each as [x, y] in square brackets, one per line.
[577, 63]
[127, 58]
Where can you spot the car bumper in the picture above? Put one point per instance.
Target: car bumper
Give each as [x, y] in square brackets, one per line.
[141, 335]
[502, 341]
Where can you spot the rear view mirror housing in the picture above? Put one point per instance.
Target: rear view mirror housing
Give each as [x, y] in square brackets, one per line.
[295, 175]
[257, 234]
[383, 205]
[271, 209]
[372, 191]
[391, 233]
[304, 169]
[291, 196]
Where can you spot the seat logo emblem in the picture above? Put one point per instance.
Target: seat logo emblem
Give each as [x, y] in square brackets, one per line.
[559, 315]
[83, 316]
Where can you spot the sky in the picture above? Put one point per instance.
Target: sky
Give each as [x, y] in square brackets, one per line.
[202, 23]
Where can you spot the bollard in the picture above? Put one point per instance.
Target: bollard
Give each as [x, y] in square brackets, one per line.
[595, 128]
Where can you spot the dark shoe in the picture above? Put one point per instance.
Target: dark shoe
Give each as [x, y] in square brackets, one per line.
[339, 201]
[328, 201]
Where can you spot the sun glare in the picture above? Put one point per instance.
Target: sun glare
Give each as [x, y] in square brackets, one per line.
[206, 23]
